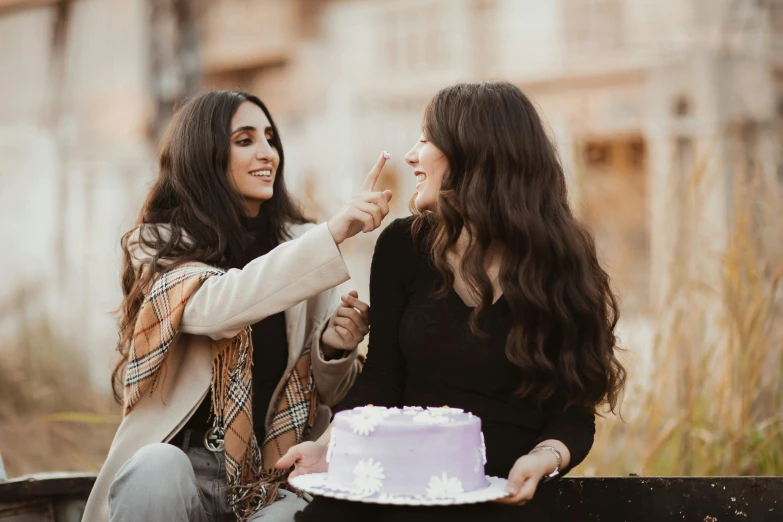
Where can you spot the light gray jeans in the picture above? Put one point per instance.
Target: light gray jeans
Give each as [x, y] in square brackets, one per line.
[163, 482]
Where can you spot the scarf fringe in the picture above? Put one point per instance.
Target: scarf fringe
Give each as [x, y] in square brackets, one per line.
[249, 498]
[253, 491]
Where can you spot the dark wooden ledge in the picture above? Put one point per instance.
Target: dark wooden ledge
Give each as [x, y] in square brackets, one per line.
[659, 499]
[60, 497]
[45, 497]
[46, 485]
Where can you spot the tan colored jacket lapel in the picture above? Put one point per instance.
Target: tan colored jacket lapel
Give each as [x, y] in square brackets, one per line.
[157, 418]
[185, 384]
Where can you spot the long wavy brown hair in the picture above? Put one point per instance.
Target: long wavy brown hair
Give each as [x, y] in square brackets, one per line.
[505, 185]
[196, 201]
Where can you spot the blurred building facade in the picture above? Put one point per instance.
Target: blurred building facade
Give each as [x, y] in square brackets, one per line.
[640, 96]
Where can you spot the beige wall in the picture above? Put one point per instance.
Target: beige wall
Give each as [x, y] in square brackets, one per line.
[345, 80]
[73, 161]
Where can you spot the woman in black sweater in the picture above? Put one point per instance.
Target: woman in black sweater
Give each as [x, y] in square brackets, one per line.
[490, 299]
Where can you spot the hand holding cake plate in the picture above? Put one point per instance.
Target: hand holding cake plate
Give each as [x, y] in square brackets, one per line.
[309, 457]
[409, 456]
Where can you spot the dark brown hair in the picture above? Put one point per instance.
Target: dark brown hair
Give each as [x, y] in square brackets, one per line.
[504, 183]
[194, 197]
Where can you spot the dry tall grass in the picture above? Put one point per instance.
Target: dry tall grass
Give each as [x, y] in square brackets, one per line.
[50, 420]
[713, 403]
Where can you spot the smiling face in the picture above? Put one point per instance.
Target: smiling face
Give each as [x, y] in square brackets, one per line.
[429, 164]
[253, 159]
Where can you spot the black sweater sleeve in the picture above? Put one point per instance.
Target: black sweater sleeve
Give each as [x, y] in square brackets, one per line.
[383, 379]
[573, 426]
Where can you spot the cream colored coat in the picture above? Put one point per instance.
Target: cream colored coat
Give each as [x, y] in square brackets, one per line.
[297, 277]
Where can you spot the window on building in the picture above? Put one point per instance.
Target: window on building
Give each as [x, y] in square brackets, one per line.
[598, 154]
[778, 81]
[777, 78]
[613, 194]
[776, 17]
[415, 40]
[231, 79]
[780, 158]
[682, 107]
[594, 24]
[684, 159]
[637, 153]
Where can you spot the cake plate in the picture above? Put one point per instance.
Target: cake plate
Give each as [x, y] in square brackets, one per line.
[317, 484]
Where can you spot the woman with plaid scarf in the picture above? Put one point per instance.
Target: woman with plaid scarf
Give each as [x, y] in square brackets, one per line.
[233, 343]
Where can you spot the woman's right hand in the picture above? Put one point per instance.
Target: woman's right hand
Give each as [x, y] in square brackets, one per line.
[365, 211]
[308, 457]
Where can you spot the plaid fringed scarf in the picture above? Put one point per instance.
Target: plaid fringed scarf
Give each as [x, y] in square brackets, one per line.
[252, 479]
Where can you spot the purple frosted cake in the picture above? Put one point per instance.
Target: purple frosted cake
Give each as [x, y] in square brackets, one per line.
[416, 452]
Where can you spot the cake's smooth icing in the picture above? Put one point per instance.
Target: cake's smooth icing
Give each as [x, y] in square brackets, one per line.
[434, 452]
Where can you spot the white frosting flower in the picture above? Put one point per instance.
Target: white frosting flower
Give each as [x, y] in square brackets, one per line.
[382, 411]
[444, 410]
[427, 417]
[444, 486]
[369, 476]
[364, 420]
[412, 410]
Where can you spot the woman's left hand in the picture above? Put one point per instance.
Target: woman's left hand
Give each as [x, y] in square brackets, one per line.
[525, 476]
[348, 326]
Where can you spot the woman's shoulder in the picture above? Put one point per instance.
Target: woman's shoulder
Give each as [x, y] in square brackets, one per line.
[398, 233]
[404, 238]
[398, 257]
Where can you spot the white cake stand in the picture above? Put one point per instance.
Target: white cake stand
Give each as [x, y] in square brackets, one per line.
[317, 484]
